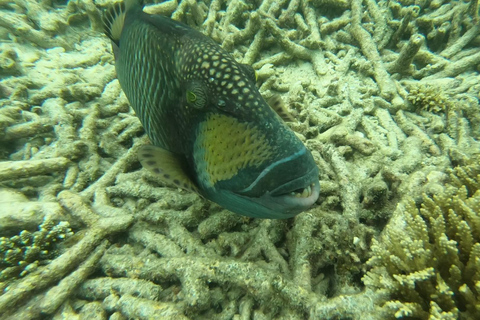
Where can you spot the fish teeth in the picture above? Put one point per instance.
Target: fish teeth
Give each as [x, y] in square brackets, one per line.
[306, 192]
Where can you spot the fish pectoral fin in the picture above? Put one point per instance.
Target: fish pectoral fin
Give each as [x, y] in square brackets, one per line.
[277, 104]
[169, 167]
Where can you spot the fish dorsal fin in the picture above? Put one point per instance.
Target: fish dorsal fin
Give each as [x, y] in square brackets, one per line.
[113, 20]
[277, 104]
[168, 166]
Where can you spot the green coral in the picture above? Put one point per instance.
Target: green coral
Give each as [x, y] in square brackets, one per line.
[23, 253]
[429, 98]
[428, 258]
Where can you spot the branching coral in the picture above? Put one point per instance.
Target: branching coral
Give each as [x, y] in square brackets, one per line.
[427, 97]
[347, 70]
[428, 257]
[56, 281]
[23, 253]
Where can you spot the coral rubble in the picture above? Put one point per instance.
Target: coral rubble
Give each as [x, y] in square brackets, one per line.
[386, 96]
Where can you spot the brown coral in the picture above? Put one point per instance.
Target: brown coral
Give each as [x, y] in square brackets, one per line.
[429, 98]
[429, 256]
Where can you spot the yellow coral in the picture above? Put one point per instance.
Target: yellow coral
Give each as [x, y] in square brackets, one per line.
[426, 97]
[428, 258]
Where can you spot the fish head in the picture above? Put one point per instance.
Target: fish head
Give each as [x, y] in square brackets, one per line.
[244, 156]
[252, 170]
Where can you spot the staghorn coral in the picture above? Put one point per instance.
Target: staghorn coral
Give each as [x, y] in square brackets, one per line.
[52, 284]
[428, 256]
[344, 69]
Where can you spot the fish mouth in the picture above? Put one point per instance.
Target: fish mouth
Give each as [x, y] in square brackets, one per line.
[302, 186]
[283, 189]
[286, 187]
[269, 206]
[304, 192]
[296, 201]
[292, 197]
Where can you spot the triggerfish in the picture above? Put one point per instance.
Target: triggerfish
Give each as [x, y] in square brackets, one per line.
[211, 130]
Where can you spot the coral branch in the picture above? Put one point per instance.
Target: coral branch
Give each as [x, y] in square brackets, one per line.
[23, 169]
[369, 49]
[59, 267]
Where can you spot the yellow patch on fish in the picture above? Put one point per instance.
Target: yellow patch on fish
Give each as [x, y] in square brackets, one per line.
[230, 145]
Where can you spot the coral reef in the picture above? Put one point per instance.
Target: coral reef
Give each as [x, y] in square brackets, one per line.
[57, 280]
[425, 97]
[23, 253]
[428, 257]
[386, 97]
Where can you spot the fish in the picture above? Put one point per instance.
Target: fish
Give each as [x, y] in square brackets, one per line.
[211, 130]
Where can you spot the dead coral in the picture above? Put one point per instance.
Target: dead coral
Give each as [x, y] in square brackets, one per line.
[175, 237]
[19, 214]
[8, 62]
[427, 259]
[341, 66]
[65, 272]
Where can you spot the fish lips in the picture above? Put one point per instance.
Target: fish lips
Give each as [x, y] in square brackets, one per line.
[268, 205]
[291, 203]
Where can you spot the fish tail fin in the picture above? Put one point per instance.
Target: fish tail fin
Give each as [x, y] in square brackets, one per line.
[114, 18]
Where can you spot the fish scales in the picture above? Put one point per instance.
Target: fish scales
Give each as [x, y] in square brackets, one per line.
[212, 132]
[150, 81]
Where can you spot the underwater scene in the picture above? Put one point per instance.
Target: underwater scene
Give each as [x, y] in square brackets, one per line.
[240, 159]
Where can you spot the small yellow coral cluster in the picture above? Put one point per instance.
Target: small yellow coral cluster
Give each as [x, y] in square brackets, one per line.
[23, 253]
[428, 258]
[429, 98]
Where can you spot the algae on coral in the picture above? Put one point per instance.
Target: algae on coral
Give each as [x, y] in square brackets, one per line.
[346, 70]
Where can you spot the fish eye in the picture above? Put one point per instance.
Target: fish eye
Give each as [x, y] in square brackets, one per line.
[196, 94]
[191, 97]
